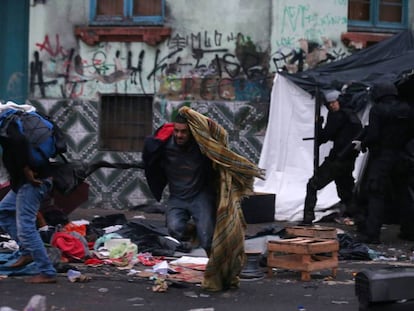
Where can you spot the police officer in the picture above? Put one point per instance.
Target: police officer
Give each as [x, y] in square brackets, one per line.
[342, 126]
[387, 133]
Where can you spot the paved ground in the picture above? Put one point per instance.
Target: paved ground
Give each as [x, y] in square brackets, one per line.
[113, 289]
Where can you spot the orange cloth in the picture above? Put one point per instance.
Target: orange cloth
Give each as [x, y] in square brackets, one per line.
[71, 227]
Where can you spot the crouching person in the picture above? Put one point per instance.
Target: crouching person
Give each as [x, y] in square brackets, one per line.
[188, 174]
[207, 181]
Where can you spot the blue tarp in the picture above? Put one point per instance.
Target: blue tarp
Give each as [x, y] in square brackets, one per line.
[6, 259]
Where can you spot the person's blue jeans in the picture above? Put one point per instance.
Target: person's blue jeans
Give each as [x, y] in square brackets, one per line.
[202, 209]
[18, 218]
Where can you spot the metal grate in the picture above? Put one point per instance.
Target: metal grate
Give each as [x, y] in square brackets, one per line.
[124, 122]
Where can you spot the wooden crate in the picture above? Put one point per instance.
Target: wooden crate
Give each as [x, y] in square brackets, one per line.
[304, 255]
[312, 232]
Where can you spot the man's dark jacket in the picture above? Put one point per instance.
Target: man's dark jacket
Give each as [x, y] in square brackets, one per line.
[342, 127]
[152, 156]
[390, 120]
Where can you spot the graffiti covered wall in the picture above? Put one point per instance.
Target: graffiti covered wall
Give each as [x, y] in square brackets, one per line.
[307, 33]
[220, 59]
[205, 58]
[202, 46]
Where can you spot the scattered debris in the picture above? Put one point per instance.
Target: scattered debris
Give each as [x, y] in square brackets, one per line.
[36, 303]
[76, 276]
[160, 285]
[191, 294]
[103, 290]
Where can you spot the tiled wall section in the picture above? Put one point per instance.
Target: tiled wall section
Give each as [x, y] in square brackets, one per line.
[124, 189]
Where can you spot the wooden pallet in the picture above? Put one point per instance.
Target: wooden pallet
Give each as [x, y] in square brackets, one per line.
[312, 231]
[303, 254]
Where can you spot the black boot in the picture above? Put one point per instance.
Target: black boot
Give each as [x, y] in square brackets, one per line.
[308, 218]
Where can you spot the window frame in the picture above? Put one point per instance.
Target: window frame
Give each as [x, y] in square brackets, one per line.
[128, 18]
[375, 24]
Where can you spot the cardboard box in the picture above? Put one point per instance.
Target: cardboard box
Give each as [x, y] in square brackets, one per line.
[259, 208]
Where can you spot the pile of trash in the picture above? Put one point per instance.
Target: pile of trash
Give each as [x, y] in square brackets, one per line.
[141, 247]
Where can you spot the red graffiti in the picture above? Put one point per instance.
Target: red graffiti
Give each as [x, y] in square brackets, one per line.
[75, 88]
[53, 51]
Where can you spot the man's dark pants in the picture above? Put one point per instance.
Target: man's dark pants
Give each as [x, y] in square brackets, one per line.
[339, 171]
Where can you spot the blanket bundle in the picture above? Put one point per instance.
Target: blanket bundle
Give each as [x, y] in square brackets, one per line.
[236, 177]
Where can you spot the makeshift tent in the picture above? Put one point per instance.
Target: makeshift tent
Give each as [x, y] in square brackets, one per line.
[286, 157]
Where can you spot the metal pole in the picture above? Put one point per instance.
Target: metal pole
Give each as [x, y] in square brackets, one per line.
[316, 130]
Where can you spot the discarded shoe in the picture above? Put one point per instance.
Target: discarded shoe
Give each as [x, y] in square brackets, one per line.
[22, 261]
[41, 279]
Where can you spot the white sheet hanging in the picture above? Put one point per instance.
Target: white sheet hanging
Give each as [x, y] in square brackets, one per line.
[287, 158]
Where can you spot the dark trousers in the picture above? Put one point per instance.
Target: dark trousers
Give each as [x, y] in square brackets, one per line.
[339, 171]
[380, 171]
[401, 210]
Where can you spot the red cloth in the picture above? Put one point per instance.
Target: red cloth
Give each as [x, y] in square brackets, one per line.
[71, 246]
[91, 244]
[165, 132]
[94, 262]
